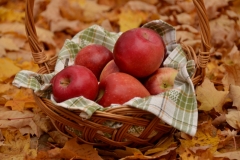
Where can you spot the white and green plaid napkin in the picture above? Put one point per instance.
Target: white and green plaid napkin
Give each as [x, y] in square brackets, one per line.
[177, 107]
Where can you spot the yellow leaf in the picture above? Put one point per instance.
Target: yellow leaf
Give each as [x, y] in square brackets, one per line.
[7, 69]
[16, 145]
[23, 99]
[210, 97]
[4, 88]
[129, 20]
[11, 15]
[233, 118]
[234, 94]
[205, 142]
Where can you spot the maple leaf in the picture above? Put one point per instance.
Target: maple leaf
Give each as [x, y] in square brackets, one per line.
[234, 94]
[11, 70]
[203, 144]
[129, 20]
[11, 15]
[21, 120]
[229, 155]
[72, 149]
[19, 29]
[210, 97]
[232, 76]
[23, 99]
[233, 118]
[16, 145]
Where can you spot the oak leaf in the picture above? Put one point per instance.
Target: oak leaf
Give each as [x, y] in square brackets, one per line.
[210, 97]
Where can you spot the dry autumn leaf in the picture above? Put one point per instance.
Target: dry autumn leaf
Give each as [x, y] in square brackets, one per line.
[232, 76]
[210, 97]
[19, 120]
[233, 118]
[11, 15]
[23, 99]
[203, 144]
[7, 73]
[72, 149]
[234, 94]
[16, 146]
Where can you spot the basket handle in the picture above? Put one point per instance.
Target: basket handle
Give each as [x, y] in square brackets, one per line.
[45, 62]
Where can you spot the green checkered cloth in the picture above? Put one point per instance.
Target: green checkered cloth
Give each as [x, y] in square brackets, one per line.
[177, 107]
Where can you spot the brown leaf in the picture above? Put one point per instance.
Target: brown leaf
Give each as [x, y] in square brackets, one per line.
[213, 6]
[210, 97]
[82, 151]
[232, 76]
[20, 120]
[230, 155]
[58, 137]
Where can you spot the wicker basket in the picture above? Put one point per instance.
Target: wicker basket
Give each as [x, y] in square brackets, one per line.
[64, 119]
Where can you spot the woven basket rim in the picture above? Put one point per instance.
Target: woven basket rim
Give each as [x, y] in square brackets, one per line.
[67, 121]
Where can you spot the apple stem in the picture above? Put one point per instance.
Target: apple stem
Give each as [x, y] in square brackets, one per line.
[66, 62]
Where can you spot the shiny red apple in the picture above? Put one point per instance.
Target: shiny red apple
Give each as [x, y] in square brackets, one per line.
[110, 67]
[74, 81]
[94, 57]
[118, 88]
[162, 80]
[139, 52]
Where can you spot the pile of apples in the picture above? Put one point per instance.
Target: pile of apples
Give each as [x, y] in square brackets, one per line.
[133, 69]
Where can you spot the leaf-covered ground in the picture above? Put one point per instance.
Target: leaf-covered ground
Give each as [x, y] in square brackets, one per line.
[27, 133]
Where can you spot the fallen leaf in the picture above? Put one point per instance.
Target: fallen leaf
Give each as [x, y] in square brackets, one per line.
[210, 97]
[20, 120]
[4, 88]
[233, 118]
[16, 145]
[19, 28]
[232, 76]
[53, 16]
[7, 73]
[23, 99]
[230, 155]
[9, 15]
[203, 144]
[58, 137]
[72, 149]
[129, 20]
[234, 94]
[223, 31]
[213, 7]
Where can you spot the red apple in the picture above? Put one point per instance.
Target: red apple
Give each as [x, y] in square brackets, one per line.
[94, 57]
[74, 81]
[139, 52]
[110, 67]
[118, 88]
[162, 80]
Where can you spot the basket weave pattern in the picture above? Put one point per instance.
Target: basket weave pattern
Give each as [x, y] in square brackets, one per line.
[69, 122]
